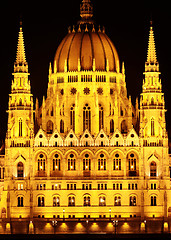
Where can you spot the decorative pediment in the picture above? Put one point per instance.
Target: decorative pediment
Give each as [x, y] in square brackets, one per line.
[86, 139]
[41, 139]
[20, 157]
[117, 139]
[56, 139]
[71, 139]
[153, 157]
[102, 139]
[132, 138]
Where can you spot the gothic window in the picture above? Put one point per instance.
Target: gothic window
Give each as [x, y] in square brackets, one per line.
[71, 201]
[20, 128]
[102, 162]
[123, 127]
[101, 117]
[87, 201]
[20, 169]
[153, 169]
[153, 201]
[56, 201]
[117, 162]
[72, 117]
[152, 127]
[132, 164]
[41, 201]
[49, 127]
[61, 126]
[86, 162]
[56, 162]
[41, 162]
[117, 201]
[86, 118]
[102, 201]
[152, 101]
[71, 162]
[20, 202]
[111, 126]
[132, 201]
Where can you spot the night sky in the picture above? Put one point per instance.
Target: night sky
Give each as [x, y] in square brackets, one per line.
[45, 24]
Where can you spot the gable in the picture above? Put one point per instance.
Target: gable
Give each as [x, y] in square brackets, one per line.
[117, 139]
[71, 139]
[102, 139]
[40, 139]
[56, 139]
[86, 139]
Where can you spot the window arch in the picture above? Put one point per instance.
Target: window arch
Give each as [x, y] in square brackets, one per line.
[132, 201]
[56, 162]
[71, 162]
[86, 162]
[132, 164]
[117, 201]
[49, 127]
[20, 170]
[117, 162]
[86, 118]
[102, 162]
[41, 162]
[102, 201]
[41, 201]
[111, 126]
[20, 202]
[152, 127]
[153, 201]
[61, 126]
[71, 201]
[56, 201]
[153, 169]
[101, 117]
[86, 200]
[72, 117]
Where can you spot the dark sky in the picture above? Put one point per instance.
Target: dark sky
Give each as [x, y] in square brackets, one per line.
[45, 24]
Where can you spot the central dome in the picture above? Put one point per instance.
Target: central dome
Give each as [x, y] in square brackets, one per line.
[87, 50]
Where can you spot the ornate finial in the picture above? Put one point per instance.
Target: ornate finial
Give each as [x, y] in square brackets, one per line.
[151, 54]
[86, 12]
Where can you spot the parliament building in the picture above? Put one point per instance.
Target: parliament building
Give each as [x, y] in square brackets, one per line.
[85, 160]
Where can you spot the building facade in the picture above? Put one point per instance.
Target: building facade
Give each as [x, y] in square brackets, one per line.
[87, 154]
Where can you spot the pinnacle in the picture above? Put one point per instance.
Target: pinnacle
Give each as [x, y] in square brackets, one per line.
[21, 57]
[151, 53]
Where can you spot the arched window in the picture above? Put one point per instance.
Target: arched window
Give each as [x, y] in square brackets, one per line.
[20, 170]
[123, 127]
[111, 126]
[132, 164]
[56, 162]
[20, 202]
[86, 118]
[56, 201]
[117, 201]
[20, 128]
[71, 162]
[71, 201]
[117, 162]
[153, 201]
[41, 162]
[61, 126]
[152, 101]
[72, 117]
[101, 117]
[86, 162]
[102, 201]
[49, 127]
[102, 162]
[152, 127]
[153, 169]
[132, 201]
[41, 201]
[87, 201]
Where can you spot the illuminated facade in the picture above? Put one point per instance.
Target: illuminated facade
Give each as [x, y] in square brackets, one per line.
[86, 153]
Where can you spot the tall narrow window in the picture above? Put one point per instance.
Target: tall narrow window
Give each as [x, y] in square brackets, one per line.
[86, 163]
[41, 201]
[102, 162]
[20, 201]
[132, 201]
[41, 163]
[61, 126]
[56, 163]
[111, 126]
[153, 201]
[153, 169]
[87, 201]
[72, 117]
[20, 169]
[71, 201]
[101, 117]
[71, 162]
[152, 127]
[20, 128]
[86, 118]
[117, 162]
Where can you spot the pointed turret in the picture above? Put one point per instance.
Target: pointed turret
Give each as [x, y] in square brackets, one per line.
[151, 65]
[21, 64]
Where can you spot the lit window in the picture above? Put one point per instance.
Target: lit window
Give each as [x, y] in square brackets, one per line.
[117, 201]
[20, 170]
[41, 201]
[117, 162]
[56, 201]
[71, 201]
[71, 162]
[87, 163]
[132, 201]
[87, 201]
[102, 201]
[56, 163]
[153, 169]
[41, 162]
[102, 162]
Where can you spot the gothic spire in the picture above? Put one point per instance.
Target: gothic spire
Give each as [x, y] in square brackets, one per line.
[151, 53]
[20, 63]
